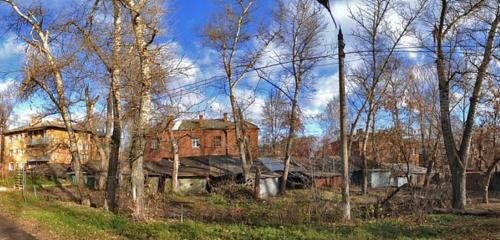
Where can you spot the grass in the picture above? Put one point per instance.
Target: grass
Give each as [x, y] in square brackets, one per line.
[51, 219]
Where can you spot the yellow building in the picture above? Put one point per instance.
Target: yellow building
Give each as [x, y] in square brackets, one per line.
[44, 142]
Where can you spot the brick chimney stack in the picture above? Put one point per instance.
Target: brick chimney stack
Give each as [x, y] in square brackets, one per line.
[225, 117]
[201, 120]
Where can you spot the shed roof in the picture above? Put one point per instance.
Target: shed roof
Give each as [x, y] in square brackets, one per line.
[205, 166]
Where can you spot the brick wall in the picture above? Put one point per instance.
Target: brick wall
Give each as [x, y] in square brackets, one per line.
[162, 147]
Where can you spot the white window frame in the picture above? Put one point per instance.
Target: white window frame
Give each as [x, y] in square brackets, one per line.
[195, 143]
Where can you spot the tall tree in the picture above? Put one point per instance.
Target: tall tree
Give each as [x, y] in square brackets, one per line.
[96, 38]
[230, 33]
[144, 35]
[377, 40]
[43, 71]
[450, 26]
[300, 44]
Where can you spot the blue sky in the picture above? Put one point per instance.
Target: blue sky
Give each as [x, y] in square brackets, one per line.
[184, 22]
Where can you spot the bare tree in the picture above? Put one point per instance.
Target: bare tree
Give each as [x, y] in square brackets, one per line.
[230, 34]
[43, 70]
[376, 35]
[301, 29]
[144, 34]
[7, 101]
[275, 113]
[488, 137]
[449, 27]
[96, 38]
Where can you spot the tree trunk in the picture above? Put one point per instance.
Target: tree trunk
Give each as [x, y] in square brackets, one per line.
[175, 163]
[64, 111]
[114, 155]
[487, 178]
[102, 146]
[290, 138]
[428, 173]
[141, 121]
[256, 191]
[346, 202]
[104, 150]
[239, 135]
[458, 158]
[364, 148]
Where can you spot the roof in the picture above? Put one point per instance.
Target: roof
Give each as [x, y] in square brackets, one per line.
[41, 126]
[277, 165]
[207, 124]
[402, 168]
[206, 166]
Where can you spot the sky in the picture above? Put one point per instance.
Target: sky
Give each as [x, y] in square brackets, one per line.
[184, 21]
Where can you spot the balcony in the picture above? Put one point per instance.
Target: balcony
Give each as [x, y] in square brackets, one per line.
[33, 159]
[38, 142]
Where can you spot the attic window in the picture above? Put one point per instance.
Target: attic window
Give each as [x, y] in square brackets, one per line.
[195, 142]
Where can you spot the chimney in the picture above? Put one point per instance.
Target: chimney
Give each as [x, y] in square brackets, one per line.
[201, 121]
[225, 117]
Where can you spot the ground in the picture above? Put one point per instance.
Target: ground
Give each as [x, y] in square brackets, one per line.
[47, 217]
[8, 231]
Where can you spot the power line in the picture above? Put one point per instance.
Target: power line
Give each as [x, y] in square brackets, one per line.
[184, 89]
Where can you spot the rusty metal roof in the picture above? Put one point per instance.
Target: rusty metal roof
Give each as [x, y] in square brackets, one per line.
[209, 124]
[205, 166]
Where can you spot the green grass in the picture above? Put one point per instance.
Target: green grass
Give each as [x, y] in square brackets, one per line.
[60, 220]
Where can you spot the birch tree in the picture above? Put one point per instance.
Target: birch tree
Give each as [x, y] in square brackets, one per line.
[300, 44]
[96, 37]
[43, 71]
[239, 49]
[144, 34]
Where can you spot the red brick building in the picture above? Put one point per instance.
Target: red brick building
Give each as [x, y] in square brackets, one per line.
[200, 137]
[383, 147]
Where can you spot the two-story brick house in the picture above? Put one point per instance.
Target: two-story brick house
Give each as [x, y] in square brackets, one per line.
[200, 137]
[44, 142]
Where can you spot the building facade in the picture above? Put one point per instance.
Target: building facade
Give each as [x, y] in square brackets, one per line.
[200, 137]
[44, 142]
[383, 146]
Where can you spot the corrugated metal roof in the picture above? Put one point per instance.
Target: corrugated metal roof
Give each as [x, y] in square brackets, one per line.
[206, 166]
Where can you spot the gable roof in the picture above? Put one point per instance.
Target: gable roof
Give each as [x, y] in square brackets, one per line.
[191, 124]
[42, 125]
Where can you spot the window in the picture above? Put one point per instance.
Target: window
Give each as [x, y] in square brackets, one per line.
[11, 166]
[195, 142]
[217, 141]
[154, 144]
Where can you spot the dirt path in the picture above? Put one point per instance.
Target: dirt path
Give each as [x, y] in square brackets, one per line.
[9, 231]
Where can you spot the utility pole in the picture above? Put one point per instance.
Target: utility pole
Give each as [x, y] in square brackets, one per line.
[343, 138]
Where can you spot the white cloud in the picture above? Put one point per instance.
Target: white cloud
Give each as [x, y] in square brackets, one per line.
[326, 88]
[10, 47]
[6, 85]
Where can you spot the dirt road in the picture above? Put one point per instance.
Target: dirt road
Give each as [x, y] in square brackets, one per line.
[9, 231]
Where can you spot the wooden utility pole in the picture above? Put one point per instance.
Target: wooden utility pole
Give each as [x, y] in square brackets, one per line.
[343, 123]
